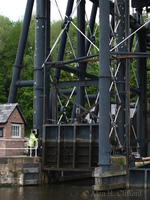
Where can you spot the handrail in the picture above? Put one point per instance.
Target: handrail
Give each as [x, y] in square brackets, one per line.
[24, 148]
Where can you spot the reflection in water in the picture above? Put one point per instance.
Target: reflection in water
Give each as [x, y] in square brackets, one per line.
[69, 192]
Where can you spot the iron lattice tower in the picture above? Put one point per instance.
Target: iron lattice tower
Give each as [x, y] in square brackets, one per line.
[99, 102]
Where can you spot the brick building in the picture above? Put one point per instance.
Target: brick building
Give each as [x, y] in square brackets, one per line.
[12, 126]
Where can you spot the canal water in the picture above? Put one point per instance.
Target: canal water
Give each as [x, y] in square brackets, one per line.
[69, 191]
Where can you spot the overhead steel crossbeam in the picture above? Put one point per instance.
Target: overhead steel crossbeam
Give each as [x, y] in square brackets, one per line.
[113, 55]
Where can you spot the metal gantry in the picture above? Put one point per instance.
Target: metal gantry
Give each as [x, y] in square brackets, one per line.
[78, 114]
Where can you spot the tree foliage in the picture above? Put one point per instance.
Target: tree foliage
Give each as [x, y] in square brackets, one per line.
[9, 39]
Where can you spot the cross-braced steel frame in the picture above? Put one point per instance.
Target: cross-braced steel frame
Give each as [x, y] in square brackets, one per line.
[69, 93]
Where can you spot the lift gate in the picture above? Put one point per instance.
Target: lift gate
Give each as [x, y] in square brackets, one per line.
[70, 147]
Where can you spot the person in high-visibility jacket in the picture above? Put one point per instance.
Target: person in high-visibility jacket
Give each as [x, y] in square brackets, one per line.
[31, 142]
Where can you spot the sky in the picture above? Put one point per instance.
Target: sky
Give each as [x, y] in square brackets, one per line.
[15, 9]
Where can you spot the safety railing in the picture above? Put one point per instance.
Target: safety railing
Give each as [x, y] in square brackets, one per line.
[31, 149]
[35, 148]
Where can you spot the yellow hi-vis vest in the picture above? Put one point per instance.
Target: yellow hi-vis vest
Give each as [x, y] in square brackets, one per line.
[32, 140]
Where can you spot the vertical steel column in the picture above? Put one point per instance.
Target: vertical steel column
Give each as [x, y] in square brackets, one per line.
[138, 72]
[104, 84]
[46, 69]
[121, 72]
[87, 44]
[39, 70]
[47, 26]
[46, 78]
[142, 80]
[127, 85]
[60, 55]
[20, 51]
[81, 52]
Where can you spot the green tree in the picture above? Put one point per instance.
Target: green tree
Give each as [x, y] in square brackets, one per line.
[7, 55]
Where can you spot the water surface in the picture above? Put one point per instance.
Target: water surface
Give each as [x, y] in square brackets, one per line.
[69, 191]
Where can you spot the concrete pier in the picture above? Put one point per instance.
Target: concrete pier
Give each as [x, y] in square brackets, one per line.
[20, 170]
[114, 178]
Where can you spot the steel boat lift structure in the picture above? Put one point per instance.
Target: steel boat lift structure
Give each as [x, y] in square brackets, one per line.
[82, 142]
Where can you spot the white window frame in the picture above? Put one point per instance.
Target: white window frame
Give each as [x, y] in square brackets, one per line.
[16, 128]
[1, 129]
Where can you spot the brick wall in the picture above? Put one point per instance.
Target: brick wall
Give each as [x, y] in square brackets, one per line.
[14, 118]
[2, 145]
[7, 141]
[15, 143]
